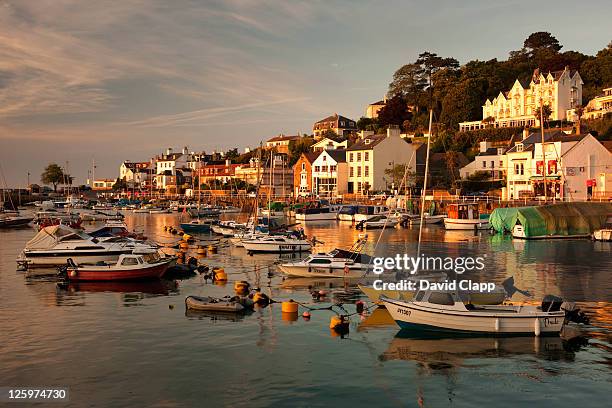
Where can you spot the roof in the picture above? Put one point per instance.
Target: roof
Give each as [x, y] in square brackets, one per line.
[281, 138]
[607, 144]
[336, 118]
[381, 102]
[491, 151]
[373, 141]
[170, 157]
[553, 135]
[339, 155]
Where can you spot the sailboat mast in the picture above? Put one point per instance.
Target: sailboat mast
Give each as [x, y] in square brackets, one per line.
[425, 183]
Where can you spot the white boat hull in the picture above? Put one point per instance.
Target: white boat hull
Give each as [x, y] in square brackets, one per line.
[257, 246]
[430, 219]
[518, 232]
[409, 315]
[305, 271]
[459, 224]
[603, 235]
[316, 217]
[60, 259]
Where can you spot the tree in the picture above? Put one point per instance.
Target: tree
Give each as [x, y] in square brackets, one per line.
[395, 112]
[462, 102]
[546, 112]
[366, 123]
[120, 184]
[53, 174]
[296, 148]
[232, 153]
[541, 40]
[408, 82]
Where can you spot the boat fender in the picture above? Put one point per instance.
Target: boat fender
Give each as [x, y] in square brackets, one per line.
[181, 233]
[173, 231]
[261, 299]
[497, 325]
[73, 273]
[241, 287]
[536, 327]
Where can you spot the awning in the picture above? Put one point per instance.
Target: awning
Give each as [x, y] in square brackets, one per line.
[541, 178]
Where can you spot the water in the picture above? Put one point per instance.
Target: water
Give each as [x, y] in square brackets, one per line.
[126, 345]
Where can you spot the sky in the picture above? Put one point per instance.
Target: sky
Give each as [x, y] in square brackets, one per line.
[123, 80]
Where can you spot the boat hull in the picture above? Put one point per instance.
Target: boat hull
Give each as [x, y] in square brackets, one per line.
[304, 271]
[97, 273]
[603, 235]
[416, 317]
[42, 260]
[476, 298]
[459, 224]
[195, 228]
[316, 217]
[254, 246]
[519, 233]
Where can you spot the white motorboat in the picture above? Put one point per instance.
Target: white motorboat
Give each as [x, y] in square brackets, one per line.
[445, 311]
[427, 219]
[366, 211]
[160, 211]
[465, 216]
[316, 214]
[101, 216]
[53, 245]
[277, 244]
[228, 228]
[379, 221]
[604, 234]
[237, 239]
[52, 214]
[338, 263]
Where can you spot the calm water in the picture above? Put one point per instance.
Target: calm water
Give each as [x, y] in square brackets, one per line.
[132, 345]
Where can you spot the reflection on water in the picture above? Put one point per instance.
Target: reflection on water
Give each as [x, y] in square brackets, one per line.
[159, 354]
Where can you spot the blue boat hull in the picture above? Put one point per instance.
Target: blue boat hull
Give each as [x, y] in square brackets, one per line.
[195, 228]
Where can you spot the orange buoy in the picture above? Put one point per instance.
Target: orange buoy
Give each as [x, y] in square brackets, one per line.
[219, 274]
[289, 317]
[289, 307]
[241, 287]
[334, 321]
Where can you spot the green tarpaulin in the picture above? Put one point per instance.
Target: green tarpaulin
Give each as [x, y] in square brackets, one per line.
[554, 219]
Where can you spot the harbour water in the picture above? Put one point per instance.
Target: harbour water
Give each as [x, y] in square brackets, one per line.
[131, 345]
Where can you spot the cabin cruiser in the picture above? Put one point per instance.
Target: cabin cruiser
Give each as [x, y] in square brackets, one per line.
[322, 213]
[101, 216]
[53, 245]
[13, 221]
[465, 216]
[339, 263]
[366, 211]
[377, 221]
[228, 228]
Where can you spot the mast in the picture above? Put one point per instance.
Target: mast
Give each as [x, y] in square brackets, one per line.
[425, 182]
[543, 149]
[271, 181]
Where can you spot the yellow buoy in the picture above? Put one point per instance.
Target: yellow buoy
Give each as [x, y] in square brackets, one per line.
[201, 250]
[335, 321]
[184, 245]
[187, 237]
[220, 274]
[212, 249]
[289, 307]
[241, 287]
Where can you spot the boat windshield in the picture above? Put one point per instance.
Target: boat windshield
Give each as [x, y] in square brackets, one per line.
[152, 257]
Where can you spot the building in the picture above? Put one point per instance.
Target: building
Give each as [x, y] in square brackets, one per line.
[596, 108]
[249, 173]
[328, 144]
[170, 161]
[368, 158]
[340, 125]
[490, 159]
[330, 173]
[281, 143]
[520, 106]
[135, 174]
[570, 167]
[302, 174]
[103, 184]
[373, 108]
[222, 173]
[277, 178]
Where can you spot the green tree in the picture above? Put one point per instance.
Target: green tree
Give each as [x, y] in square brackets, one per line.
[120, 184]
[296, 148]
[53, 174]
[409, 83]
[462, 102]
[232, 153]
[366, 123]
[546, 112]
[542, 40]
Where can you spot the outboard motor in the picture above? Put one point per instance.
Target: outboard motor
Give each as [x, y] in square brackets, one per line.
[551, 303]
[573, 313]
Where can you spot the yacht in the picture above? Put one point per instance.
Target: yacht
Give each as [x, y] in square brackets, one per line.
[277, 244]
[53, 245]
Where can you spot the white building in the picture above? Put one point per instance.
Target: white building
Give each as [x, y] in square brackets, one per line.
[490, 159]
[572, 167]
[329, 173]
[596, 108]
[520, 106]
[369, 157]
[328, 144]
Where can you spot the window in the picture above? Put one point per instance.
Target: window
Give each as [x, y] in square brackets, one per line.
[359, 171]
[351, 157]
[366, 156]
[317, 168]
[129, 261]
[324, 158]
[492, 164]
[332, 168]
[441, 298]
[320, 261]
[359, 156]
[484, 164]
[501, 163]
[359, 187]
[303, 166]
[367, 171]
[351, 172]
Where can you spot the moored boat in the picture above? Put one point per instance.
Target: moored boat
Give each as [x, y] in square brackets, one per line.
[207, 303]
[445, 311]
[277, 244]
[465, 216]
[127, 267]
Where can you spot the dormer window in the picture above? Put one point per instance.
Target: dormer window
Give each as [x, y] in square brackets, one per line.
[519, 147]
[367, 141]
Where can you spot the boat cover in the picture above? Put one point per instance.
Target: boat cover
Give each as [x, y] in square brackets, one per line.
[553, 219]
[48, 237]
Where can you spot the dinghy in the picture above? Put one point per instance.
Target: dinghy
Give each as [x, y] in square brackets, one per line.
[207, 303]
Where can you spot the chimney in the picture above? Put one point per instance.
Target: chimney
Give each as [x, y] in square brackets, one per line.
[185, 150]
[168, 151]
[484, 146]
[525, 132]
[393, 130]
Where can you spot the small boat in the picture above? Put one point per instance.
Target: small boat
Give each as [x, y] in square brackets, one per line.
[237, 239]
[277, 244]
[10, 221]
[427, 219]
[196, 226]
[204, 212]
[465, 217]
[101, 216]
[366, 211]
[604, 234]
[207, 303]
[230, 210]
[338, 263]
[379, 221]
[127, 267]
[160, 211]
[228, 228]
[445, 311]
[316, 214]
